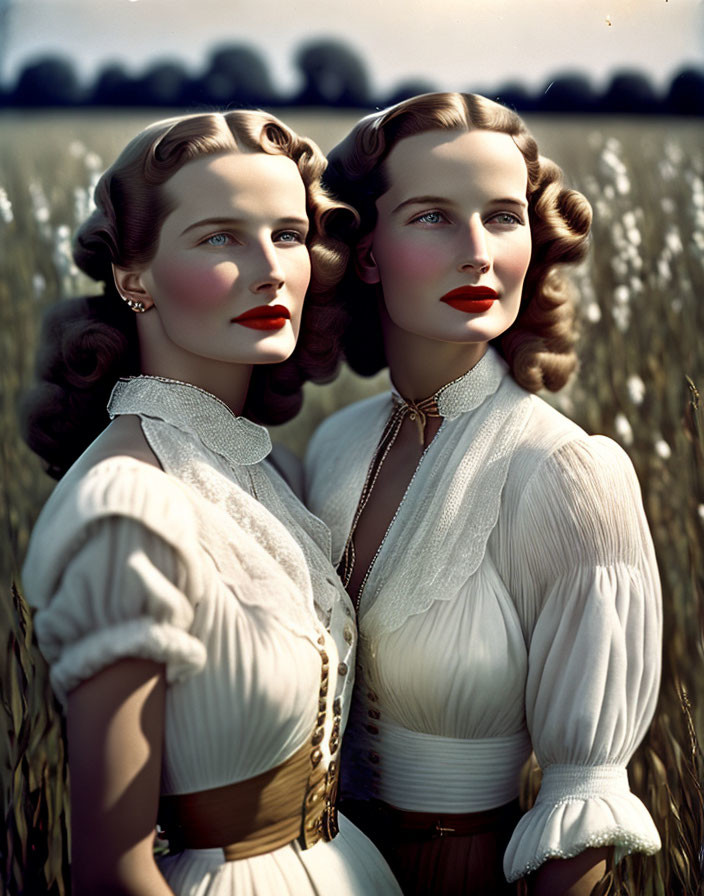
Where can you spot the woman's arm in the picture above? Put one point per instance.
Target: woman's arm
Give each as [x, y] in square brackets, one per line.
[570, 877]
[115, 735]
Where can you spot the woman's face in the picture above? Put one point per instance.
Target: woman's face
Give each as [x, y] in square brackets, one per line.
[452, 241]
[232, 268]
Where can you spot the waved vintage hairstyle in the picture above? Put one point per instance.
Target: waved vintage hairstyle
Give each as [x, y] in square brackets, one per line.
[539, 346]
[87, 344]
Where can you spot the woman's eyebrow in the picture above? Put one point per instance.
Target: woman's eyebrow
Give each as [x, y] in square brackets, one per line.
[213, 222]
[444, 200]
[287, 221]
[421, 200]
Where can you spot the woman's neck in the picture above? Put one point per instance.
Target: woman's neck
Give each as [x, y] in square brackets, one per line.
[420, 366]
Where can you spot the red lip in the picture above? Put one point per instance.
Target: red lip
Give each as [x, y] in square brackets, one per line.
[264, 317]
[471, 299]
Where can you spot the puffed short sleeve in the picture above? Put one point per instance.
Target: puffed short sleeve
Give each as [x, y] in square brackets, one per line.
[114, 572]
[592, 591]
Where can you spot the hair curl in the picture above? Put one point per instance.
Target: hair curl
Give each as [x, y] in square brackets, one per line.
[539, 346]
[87, 344]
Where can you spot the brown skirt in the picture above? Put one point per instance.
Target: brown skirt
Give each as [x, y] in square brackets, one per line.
[440, 854]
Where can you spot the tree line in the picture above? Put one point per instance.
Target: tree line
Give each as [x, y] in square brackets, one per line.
[332, 74]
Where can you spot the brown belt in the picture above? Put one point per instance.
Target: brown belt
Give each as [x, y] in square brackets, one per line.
[387, 821]
[295, 800]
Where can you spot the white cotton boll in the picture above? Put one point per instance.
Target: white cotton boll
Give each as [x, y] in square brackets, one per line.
[700, 511]
[623, 184]
[621, 295]
[38, 285]
[636, 389]
[5, 207]
[623, 429]
[673, 241]
[93, 161]
[609, 192]
[667, 169]
[634, 237]
[593, 313]
[42, 214]
[662, 449]
[629, 220]
[622, 317]
[667, 205]
[664, 270]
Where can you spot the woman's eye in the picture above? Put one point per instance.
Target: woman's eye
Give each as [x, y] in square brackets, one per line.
[289, 236]
[430, 218]
[505, 218]
[218, 239]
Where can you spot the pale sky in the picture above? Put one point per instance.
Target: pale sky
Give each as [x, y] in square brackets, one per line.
[454, 44]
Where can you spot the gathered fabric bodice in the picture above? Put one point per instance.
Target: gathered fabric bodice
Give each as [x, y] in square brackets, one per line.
[210, 565]
[514, 604]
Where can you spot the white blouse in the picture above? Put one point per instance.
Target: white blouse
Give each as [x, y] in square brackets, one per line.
[212, 567]
[514, 604]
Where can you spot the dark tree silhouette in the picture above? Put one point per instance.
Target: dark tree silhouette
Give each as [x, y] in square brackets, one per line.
[163, 84]
[570, 92]
[516, 97]
[686, 94]
[407, 89]
[114, 87]
[630, 93]
[333, 74]
[50, 81]
[237, 74]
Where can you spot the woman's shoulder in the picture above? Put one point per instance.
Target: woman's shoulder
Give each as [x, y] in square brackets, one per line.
[108, 484]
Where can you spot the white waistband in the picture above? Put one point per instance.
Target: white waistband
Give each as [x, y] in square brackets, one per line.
[427, 773]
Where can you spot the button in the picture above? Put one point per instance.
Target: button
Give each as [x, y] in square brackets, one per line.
[372, 696]
[373, 713]
[348, 634]
[374, 758]
[372, 729]
[342, 669]
[321, 639]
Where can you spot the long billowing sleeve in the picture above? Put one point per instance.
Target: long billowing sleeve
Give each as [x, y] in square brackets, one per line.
[590, 598]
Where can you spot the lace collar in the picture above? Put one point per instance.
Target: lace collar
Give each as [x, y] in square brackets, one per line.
[194, 411]
[468, 391]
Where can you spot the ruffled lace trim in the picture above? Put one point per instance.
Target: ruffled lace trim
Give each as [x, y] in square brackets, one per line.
[597, 810]
[236, 439]
[461, 478]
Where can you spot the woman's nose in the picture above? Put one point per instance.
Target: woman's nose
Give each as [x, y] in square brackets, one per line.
[474, 253]
[268, 274]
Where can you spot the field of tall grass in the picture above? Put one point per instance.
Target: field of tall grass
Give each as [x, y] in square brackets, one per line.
[642, 371]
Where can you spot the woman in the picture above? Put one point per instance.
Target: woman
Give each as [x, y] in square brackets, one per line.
[185, 600]
[498, 557]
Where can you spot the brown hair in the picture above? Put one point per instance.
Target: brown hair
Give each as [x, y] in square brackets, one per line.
[87, 344]
[539, 346]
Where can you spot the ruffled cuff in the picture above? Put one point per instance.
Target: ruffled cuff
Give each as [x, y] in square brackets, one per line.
[578, 808]
[162, 642]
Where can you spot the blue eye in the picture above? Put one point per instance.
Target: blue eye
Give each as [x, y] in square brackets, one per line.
[289, 236]
[430, 218]
[505, 218]
[218, 239]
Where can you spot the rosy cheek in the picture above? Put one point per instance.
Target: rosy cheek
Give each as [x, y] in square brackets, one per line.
[190, 287]
[410, 260]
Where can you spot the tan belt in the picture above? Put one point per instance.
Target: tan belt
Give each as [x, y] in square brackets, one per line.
[295, 800]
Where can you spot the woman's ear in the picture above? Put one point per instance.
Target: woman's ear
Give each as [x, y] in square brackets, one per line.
[130, 287]
[365, 262]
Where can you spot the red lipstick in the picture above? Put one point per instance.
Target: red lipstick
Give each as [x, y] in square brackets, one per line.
[471, 299]
[264, 317]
